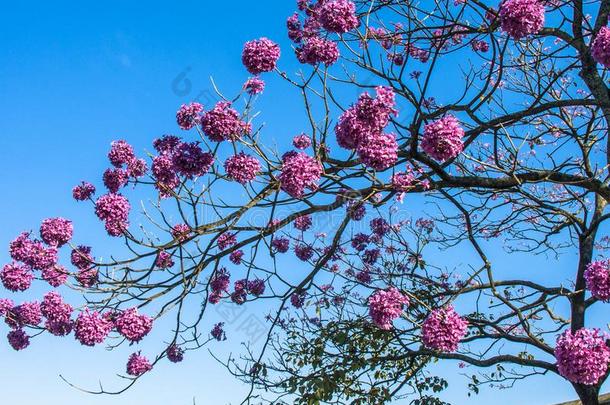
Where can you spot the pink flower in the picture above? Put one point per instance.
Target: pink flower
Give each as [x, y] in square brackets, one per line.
[191, 161]
[218, 333]
[600, 47]
[260, 55]
[442, 139]
[16, 277]
[597, 278]
[303, 222]
[18, 339]
[181, 232]
[54, 308]
[164, 260]
[32, 252]
[254, 85]
[133, 326]
[338, 16]
[280, 244]
[242, 168]
[56, 231]
[83, 191]
[582, 356]
[303, 251]
[226, 240]
[301, 141]
[115, 179]
[366, 119]
[443, 330]
[224, 123]
[386, 305]
[81, 257]
[121, 153]
[187, 116]
[315, 50]
[299, 172]
[91, 328]
[113, 209]
[378, 151]
[174, 353]
[138, 365]
[26, 314]
[55, 275]
[520, 18]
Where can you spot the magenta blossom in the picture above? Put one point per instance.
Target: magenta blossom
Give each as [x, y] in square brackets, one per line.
[56, 231]
[260, 55]
[442, 139]
[133, 326]
[386, 305]
[443, 330]
[138, 365]
[582, 356]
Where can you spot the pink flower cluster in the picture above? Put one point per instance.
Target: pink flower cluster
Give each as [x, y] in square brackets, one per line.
[260, 55]
[132, 325]
[175, 354]
[32, 252]
[164, 260]
[138, 365]
[178, 158]
[224, 123]
[242, 168]
[520, 18]
[600, 48]
[443, 330]
[91, 328]
[16, 276]
[83, 191]
[57, 313]
[226, 240]
[315, 50]
[188, 116]
[338, 16]
[597, 278]
[299, 172]
[55, 275]
[582, 356]
[442, 139]
[219, 284]
[303, 222]
[56, 231]
[254, 86]
[18, 339]
[121, 154]
[113, 209]
[361, 127]
[301, 141]
[386, 305]
[218, 333]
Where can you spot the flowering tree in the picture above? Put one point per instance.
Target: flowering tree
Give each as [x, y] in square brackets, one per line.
[512, 150]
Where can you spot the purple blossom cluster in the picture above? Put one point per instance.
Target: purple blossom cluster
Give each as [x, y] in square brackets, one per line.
[361, 127]
[301, 141]
[56, 231]
[254, 86]
[132, 325]
[164, 260]
[303, 222]
[18, 339]
[280, 244]
[520, 18]
[299, 172]
[32, 252]
[443, 329]
[338, 16]
[91, 328]
[218, 332]
[597, 278]
[55, 275]
[138, 365]
[113, 209]
[175, 159]
[582, 356]
[242, 168]
[83, 191]
[600, 47]
[126, 165]
[442, 139]
[224, 123]
[175, 354]
[226, 240]
[57, 313]
[386, 305]
[219, 284]
[260, 55]
[315, 50]
[16, 276]
[188, 115]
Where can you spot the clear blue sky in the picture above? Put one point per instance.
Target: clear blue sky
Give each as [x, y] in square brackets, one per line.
[73, 77]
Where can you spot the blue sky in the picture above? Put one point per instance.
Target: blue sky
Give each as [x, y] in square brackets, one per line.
[74, 77]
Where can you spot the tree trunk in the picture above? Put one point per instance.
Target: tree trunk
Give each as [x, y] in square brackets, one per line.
[589, 395]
